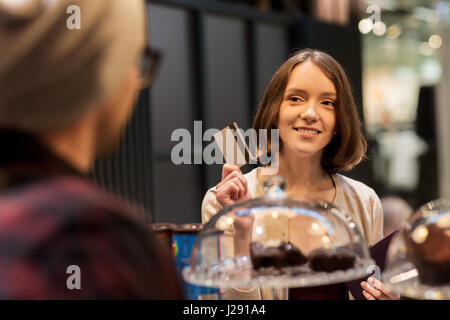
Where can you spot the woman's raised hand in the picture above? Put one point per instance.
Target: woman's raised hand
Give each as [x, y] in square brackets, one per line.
[233, 186]
[374, 289]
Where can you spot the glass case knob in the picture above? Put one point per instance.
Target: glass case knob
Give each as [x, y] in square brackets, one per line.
[275, 187]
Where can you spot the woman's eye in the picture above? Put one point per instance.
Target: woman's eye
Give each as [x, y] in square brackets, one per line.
[295, 99]
[329, 103]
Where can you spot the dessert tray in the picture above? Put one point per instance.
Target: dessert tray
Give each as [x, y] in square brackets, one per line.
[418, 258]
[278, 242]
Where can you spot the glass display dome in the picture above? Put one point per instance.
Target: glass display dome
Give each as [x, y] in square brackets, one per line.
[276, 241]
[418, 258]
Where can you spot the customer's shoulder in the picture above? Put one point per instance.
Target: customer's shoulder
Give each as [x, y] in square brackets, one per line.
[47, 213]
[45, 188]
[63, 198]
[359, 188]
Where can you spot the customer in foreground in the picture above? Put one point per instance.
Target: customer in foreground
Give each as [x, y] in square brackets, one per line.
[66, 96]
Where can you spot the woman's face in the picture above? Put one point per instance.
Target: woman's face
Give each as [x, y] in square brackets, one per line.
[307, 116]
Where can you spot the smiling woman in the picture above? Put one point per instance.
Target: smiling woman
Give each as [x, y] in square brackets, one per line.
[309, 100]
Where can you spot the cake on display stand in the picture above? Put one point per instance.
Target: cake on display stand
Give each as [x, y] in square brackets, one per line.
[418, 258]
[277, 242]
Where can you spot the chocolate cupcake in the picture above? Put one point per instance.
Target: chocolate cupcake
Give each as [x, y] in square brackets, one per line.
[428, 247]
[283, 255]
[329, 260]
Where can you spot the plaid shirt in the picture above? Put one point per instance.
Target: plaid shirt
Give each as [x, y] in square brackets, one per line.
[50, 224]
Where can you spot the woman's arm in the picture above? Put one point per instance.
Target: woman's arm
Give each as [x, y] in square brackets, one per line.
[232, 188]
[210, 205]
[376, 233]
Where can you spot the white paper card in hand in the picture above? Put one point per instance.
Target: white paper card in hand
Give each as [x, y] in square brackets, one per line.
[231, 143]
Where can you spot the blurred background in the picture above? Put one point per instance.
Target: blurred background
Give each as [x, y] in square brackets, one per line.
[219, 55]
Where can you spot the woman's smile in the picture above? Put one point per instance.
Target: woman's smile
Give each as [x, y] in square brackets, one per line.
[306, 132]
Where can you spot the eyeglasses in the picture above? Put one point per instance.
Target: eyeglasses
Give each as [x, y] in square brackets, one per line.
[149, 64]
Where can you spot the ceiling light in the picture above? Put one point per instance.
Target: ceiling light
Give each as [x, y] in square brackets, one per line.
[435, 41]
[379, 28]
[365, 26]
[394, 31]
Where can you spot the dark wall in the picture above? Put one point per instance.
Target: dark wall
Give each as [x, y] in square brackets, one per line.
[128, 172]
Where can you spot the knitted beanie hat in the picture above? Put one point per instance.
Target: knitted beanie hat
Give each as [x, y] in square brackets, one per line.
[51, 74]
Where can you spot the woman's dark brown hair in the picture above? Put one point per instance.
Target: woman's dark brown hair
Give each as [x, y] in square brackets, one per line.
[348, 146]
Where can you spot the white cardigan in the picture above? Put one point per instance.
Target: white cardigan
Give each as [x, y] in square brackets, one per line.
[358, 200]
[354, 197]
